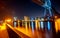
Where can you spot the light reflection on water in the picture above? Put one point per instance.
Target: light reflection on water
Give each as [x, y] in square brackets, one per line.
[44, 31]
[39, 33]
[42, 34]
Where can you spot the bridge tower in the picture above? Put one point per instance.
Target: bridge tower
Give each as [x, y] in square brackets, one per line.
[46, 4]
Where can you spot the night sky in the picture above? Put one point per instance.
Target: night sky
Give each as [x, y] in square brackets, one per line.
[22, 8]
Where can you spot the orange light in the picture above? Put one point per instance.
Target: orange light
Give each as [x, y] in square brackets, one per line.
[8, 20]
[56, 17]
[3, 26]
[57, 24]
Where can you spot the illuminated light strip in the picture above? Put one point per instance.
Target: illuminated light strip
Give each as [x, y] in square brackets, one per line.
[29, 25]
[36, 24]
[26, 25]
[18, 24]
[32, 25]
[56, 26]
[39, 25]
[15, 24]
[42, 26]
[49, 25]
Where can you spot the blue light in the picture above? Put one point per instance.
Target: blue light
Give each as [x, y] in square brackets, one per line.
[44, 12]
[49, 24]
[47, 6]
[42, 25]
[32, 24]
[50, 12]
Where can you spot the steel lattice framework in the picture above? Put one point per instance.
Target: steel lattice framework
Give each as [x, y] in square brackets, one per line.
[46, 4]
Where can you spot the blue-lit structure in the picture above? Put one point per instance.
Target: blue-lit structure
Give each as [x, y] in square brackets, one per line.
[47, 6]
[32, 23]
[47, 12]
[48, 23]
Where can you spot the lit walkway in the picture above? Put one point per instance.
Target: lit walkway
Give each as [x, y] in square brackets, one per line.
[18, 32]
